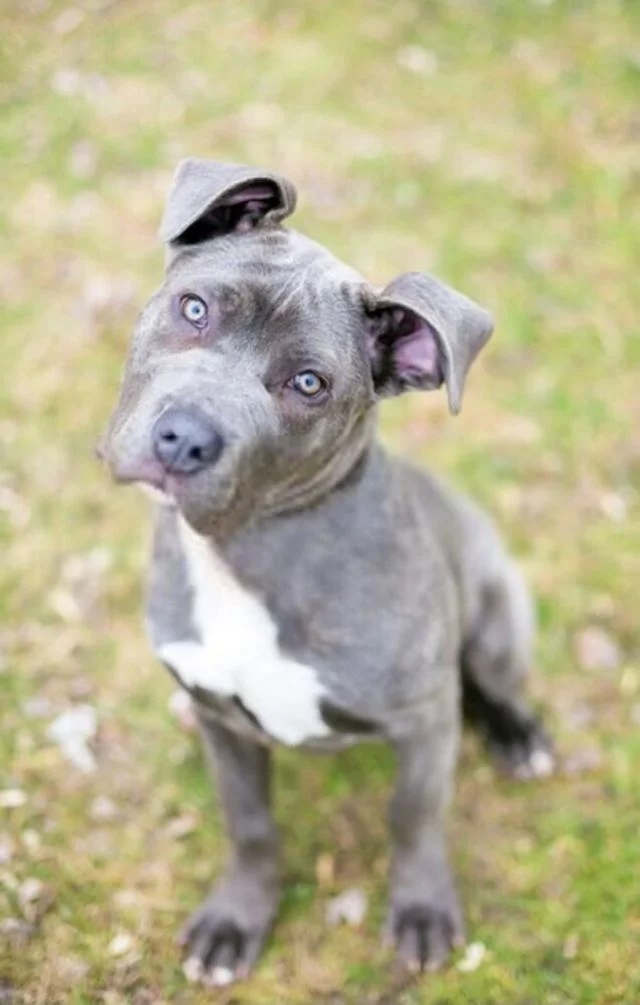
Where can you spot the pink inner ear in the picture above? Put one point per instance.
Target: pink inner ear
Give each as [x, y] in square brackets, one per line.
[405, 351]
[416, 355]
[248, 195]
[416, 352]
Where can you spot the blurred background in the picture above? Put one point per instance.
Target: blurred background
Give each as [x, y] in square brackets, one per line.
[495, 144]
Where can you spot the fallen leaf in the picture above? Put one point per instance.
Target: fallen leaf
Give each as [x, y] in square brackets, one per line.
[571, 944]
[17, 933]
[418, 60]
[474, 954]
[113, 998]
[68, 20]
[64, 604]
[121, 944]
[35, 898]
[8, 995]
[107, 296]
[66, 81]
[183, 825]
[72, 968]
[7, 849]
[103, 808]
[629, 681]
[518, 430]
[30, 890]
[83, 160]
[31, 840]
[596, 649]
[78, 591]
[37, 708]
[260, 115]
[181, 706]
[583, 760]
[15, 506]
[72, 731]
[614, 506]
[12, 799]
[578, 716]
[349, 907]
[325, 870]
[127, 898]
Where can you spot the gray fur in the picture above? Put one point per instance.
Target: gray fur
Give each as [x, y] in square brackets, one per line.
[377, 577]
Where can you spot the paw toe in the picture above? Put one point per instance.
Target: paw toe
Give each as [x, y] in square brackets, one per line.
[527, 756]
[542, 762]
[219, 977]
[424, 937]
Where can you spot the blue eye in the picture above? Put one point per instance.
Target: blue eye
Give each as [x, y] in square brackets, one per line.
[194, 310]
[308, 383]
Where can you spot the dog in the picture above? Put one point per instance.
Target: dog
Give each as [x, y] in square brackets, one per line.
[306, 588]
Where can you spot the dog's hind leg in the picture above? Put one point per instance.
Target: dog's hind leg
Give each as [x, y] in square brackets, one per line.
[496, 659]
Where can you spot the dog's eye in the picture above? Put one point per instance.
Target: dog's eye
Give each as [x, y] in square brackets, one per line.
[194, 310]
[308, 383]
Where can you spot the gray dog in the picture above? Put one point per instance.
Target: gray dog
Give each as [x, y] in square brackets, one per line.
[306, 588]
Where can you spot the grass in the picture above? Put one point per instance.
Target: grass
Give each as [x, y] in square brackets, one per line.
[496, 145]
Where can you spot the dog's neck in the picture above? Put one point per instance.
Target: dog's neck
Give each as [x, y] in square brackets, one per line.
[340, 472]
[306, 490]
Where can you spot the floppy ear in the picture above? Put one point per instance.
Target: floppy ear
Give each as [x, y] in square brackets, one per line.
[422, 334]
[208, 199]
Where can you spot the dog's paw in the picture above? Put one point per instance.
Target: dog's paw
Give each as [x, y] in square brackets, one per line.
[527, 755]
[425, 934]
[224, 937]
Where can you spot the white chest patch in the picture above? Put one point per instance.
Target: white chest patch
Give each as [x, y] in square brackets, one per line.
[239, 652]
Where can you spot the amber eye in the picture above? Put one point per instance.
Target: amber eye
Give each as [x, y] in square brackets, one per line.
[308, 383]
[194, 310]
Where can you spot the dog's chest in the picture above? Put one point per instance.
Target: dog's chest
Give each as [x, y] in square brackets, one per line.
[238, 656]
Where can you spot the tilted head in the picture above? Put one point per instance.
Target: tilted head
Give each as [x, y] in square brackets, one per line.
[255, 368]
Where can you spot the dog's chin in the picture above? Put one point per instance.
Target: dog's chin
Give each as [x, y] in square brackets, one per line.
[208, 506]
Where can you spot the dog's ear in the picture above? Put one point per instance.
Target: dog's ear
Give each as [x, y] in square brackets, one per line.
[421, 334]
[208, 199]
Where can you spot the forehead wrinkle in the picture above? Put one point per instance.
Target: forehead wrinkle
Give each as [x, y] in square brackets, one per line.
[295, 293]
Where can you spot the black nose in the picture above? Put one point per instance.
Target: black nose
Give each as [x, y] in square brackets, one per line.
[185, 441]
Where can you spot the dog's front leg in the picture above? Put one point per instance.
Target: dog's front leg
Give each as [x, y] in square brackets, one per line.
[225, 936]
[424, 916]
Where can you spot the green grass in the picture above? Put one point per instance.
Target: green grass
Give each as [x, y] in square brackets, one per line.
[494, 144]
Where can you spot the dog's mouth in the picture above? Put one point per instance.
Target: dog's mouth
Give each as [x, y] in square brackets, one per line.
[161, 496]
[202, 496]
[149, 476]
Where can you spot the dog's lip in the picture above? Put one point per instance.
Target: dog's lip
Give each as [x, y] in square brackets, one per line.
[148, 473]
[163, 496]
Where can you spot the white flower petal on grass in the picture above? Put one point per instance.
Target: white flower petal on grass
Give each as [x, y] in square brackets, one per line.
[12, 799]
[68, 20]
[103, 808]
[418, 60]
[121, 944]
[349, 907]
[474, 954]
[596, 649]
[72, 731]
[181, 706]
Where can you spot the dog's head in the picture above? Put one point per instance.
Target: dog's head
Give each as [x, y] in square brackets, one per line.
[254, 369]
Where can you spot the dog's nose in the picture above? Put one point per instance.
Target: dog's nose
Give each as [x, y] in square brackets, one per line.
[185, 441]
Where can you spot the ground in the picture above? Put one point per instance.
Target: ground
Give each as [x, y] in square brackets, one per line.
[496, 145]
